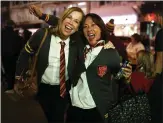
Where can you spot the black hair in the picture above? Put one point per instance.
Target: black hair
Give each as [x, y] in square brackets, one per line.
[137, 37]
[98, 20]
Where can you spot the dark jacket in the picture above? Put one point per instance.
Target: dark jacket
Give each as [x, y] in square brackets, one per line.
[42, 62]
[155, 95]
[11, 42]
[119, 46]
[107, 63]
[53, 20]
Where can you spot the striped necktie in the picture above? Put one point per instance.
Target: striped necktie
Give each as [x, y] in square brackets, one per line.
[86, 50]
[62, 71]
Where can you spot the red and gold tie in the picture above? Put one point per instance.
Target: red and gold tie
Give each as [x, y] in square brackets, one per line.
[62, 71]
[86, 50]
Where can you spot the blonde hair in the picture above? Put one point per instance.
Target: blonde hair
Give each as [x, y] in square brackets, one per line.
[57, 30]
[145, 63]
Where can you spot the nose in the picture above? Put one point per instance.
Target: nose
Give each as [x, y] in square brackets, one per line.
[71, 21]
[89, 28]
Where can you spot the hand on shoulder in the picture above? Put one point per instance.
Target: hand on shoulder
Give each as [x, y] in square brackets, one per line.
[108, 45]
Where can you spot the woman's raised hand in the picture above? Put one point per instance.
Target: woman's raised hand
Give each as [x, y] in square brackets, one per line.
[35, 11]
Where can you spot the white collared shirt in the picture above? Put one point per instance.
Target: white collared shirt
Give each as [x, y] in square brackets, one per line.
[51, 74]
[80, 94]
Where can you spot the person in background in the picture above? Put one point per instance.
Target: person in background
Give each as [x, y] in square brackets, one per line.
[11, 46]
[133, 48]
[115, 40]
[159, 51]
[56, 61]
[21, 38]
[142, 78]
[155, 93]
[26, 36]
[146, 42]
[110, 26]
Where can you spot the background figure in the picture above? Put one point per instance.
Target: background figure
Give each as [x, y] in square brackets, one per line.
[146, 42]
[133, 48]
[115, 40]
[142, 79]
[155, 94]
[159, 51]
[11, 46]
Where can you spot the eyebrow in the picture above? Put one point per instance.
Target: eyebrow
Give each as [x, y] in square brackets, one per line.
[91, 23]
[73, 18]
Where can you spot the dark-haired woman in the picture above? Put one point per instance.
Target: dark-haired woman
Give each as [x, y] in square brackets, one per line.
[92, 91]
[133, 47]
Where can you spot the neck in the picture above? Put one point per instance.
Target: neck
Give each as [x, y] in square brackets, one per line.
[97, 44]
[134, 42]
[63, 38]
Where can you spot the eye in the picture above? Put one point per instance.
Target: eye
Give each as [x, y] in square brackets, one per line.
[69, 17]
[76, 21]
[85, 26]
[93, 25]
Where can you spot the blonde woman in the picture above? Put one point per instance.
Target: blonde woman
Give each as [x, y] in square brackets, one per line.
[59, 49]
[142, 78]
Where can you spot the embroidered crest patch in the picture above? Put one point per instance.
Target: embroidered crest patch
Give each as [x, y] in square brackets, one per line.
[101, 70]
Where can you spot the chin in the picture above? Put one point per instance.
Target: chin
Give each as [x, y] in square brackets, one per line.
[66, 34]
[91, 43]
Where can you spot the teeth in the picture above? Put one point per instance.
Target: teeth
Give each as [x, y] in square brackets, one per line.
[91, 35]
[68, 27]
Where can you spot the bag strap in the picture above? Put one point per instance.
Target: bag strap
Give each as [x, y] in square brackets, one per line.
[35, 59]
[42, 41]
